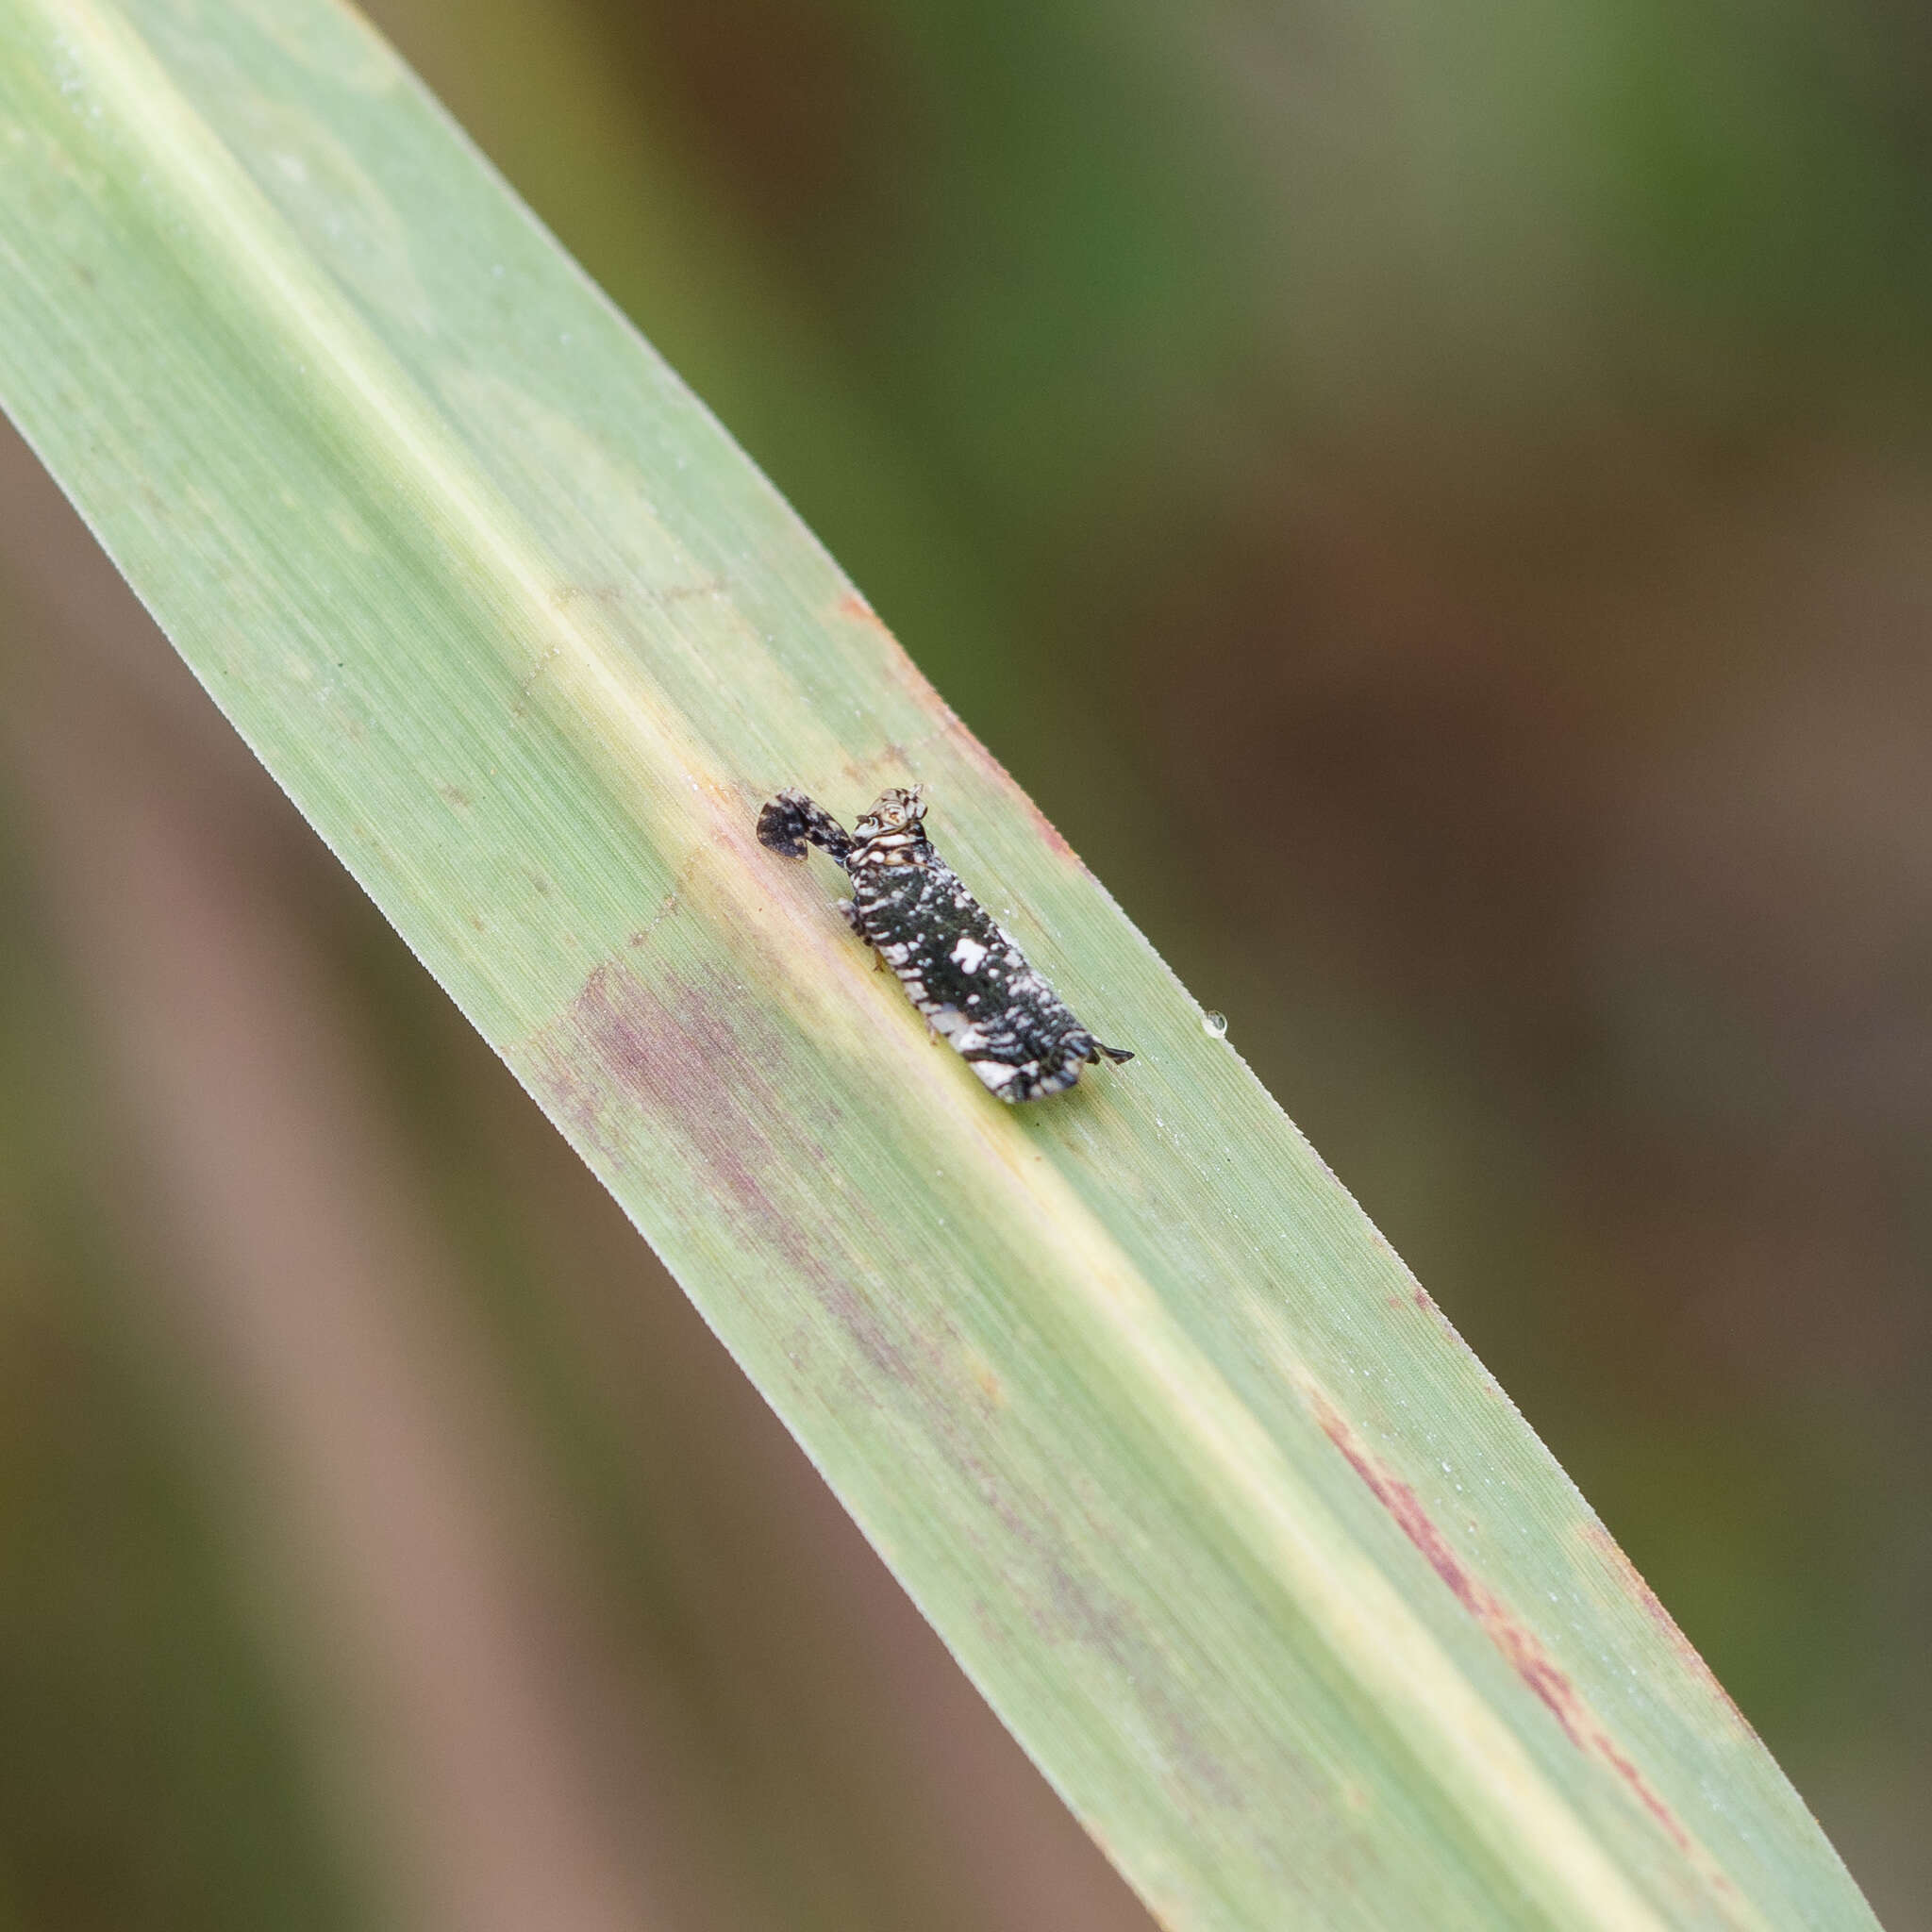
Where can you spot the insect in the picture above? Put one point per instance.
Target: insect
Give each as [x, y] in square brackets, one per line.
[969, 979]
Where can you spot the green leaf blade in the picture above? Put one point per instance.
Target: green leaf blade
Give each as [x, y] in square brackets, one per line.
[1246, 1548]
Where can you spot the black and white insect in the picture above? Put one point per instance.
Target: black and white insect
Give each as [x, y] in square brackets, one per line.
[969, 979]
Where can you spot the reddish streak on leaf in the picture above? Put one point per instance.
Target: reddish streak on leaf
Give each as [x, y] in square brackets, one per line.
[1519, 1645]
[978, 755]
[1628, 1576]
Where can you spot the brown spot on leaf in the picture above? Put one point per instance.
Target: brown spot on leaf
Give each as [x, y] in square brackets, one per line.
[712, 586]
[986, 1379]
[1519, 1645]
[666, 907]
[630, 1057]
[855, 609]
[1430, 1307]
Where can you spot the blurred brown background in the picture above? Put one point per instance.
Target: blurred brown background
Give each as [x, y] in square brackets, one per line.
[1435, 501]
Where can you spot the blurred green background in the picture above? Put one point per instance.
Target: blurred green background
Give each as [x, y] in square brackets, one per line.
[1434, 501]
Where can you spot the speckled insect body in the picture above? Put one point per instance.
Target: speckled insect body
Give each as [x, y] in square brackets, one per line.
[969, 980]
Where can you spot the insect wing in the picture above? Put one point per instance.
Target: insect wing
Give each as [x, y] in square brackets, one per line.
[972, 983]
